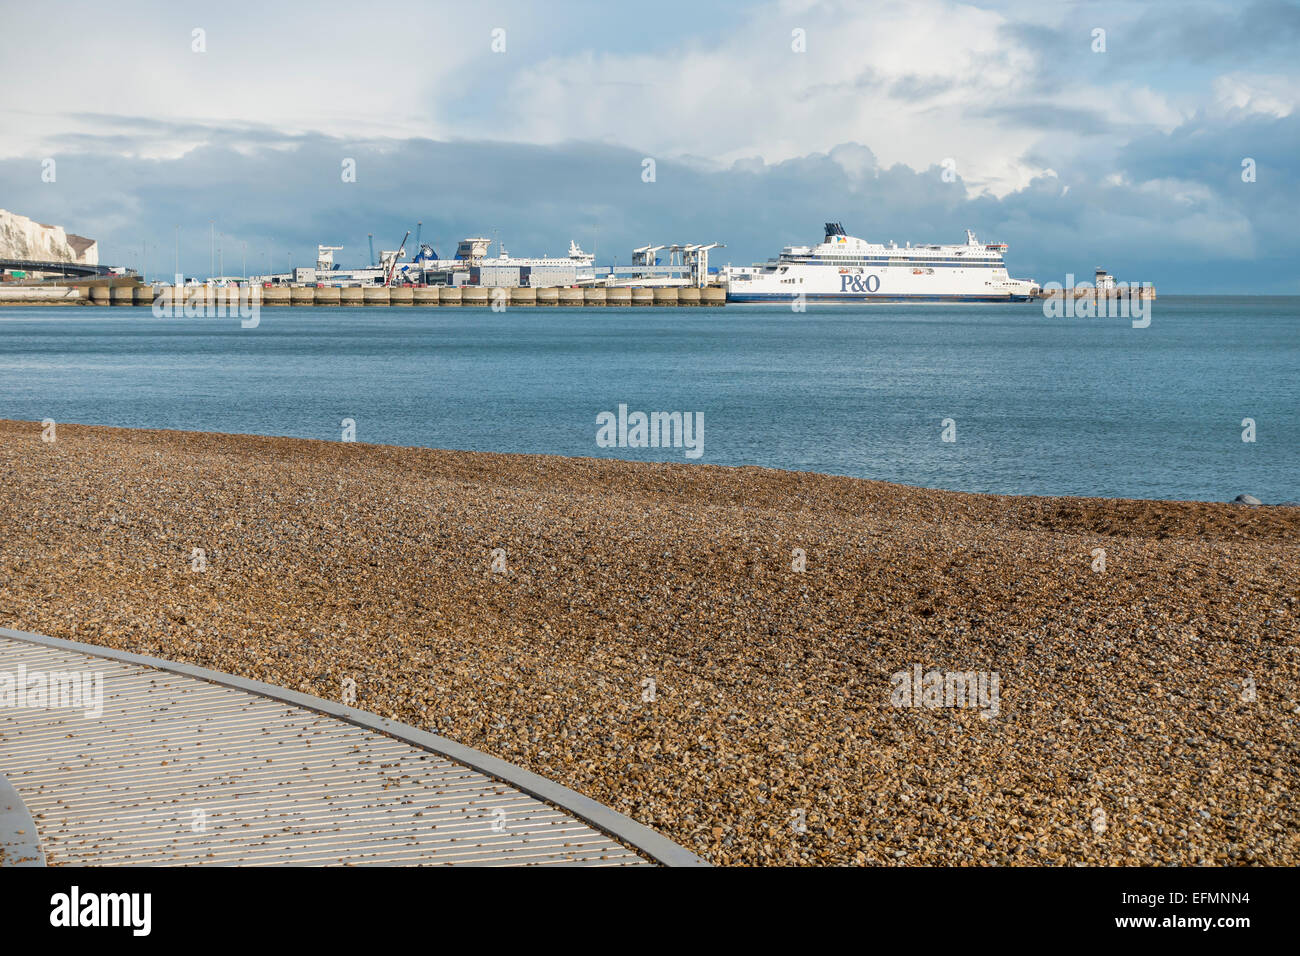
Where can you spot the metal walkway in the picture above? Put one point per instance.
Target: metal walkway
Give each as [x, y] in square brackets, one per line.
[188, 766]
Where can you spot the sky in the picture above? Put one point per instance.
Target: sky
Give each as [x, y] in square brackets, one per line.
[1164, 149]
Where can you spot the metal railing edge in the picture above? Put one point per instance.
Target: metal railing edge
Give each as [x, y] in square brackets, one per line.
[19, 838]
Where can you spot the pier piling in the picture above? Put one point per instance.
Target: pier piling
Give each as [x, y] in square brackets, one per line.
[204, 298]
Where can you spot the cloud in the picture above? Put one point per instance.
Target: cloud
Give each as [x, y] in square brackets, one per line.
[1253, 93]
[1129, 159]
[906, 77]
[1174, 212]
[1219, 31]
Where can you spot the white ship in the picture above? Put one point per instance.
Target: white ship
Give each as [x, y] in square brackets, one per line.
[843, 268]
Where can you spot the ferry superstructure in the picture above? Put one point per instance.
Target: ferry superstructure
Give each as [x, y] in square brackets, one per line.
[844, 268]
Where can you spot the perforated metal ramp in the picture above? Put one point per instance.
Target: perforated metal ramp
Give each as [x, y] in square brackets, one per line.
[179, 769]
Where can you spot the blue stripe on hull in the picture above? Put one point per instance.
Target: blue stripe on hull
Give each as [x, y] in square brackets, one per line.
[861, 298]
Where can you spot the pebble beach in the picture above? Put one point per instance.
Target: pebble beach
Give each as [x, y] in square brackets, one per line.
[711, 650]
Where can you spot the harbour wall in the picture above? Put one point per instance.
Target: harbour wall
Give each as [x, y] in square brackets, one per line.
[202, 297]
[123, 294]
[1146, 292]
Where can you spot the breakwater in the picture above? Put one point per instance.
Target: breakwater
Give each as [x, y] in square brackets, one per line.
[1145, 292]
[203, 297]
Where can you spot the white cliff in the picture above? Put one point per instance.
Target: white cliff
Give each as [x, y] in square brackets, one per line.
[23, 238]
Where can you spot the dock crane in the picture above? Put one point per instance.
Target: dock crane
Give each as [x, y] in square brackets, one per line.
[696, 258]
[392, 263]
[645, 255]
[418, 258]
[325, 258]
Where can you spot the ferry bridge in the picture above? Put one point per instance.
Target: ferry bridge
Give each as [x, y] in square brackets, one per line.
[62, 268]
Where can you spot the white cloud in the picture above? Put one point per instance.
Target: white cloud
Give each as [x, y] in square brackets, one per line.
[1253, 93]
[331, 68]
[916, 81]
[910, 79]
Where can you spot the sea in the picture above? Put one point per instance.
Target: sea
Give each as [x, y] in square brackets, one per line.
[1203, 403]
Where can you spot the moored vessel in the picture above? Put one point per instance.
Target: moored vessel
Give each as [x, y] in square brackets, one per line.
[844, 268]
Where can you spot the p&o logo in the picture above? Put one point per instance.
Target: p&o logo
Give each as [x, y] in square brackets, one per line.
[849, 283]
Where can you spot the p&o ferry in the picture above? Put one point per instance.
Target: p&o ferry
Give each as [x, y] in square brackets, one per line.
[844, 268]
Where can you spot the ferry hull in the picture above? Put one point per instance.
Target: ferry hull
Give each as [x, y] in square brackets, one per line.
[777, 298]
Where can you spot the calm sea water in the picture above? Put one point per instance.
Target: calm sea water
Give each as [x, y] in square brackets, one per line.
[1041, 406]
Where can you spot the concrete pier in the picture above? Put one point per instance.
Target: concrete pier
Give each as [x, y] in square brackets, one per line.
[228, 299]
[276, 295]
[1087, 291]
[206, 298]
[43, 295]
